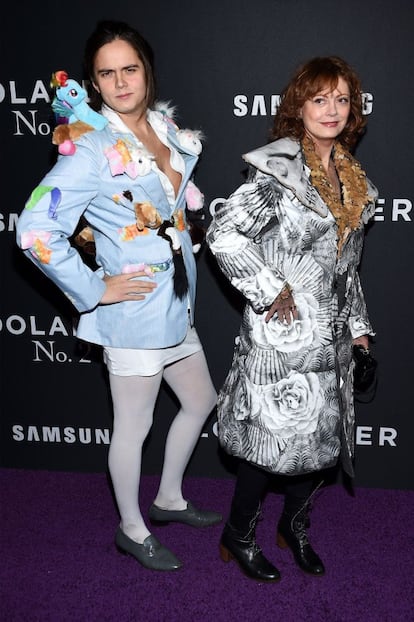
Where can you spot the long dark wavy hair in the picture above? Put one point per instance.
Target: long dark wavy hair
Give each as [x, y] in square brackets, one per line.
[309, 79]
[105, 32]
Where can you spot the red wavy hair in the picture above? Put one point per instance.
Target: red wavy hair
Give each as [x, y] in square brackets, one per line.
[309, 79]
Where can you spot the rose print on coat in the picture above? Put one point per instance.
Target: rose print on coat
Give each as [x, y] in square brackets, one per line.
[300, 333]
[292, 405]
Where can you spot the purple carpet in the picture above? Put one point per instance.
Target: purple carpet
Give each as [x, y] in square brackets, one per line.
[59, 563]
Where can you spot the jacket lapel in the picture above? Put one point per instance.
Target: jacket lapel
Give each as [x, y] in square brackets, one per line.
[190, 160]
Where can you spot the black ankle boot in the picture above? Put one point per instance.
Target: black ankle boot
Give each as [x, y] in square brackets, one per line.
[291, 532]
[242, 546]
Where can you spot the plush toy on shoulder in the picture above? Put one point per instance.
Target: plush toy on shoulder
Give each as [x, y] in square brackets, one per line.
[75, 116]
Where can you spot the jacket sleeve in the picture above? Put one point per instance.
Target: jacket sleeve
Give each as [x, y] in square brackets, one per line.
[234, 238]
[50, 217]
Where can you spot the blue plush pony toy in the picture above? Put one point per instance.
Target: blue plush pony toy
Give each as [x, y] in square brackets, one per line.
[74, 115]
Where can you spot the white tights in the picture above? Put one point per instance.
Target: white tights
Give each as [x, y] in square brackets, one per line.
[133, 402]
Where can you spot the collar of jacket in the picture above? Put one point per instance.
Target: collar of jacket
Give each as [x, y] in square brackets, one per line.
[283, 160]
[190, 161]
[161, 126]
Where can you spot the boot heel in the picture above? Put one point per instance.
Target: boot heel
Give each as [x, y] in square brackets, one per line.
[280, 541]
[242, 548]
[225, 554]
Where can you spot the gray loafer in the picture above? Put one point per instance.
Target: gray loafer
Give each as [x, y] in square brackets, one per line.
[191, 516]
[151, 553]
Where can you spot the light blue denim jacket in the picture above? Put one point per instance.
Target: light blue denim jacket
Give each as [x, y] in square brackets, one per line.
[83, 184]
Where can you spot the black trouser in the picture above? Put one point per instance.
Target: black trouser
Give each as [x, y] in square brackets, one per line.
[251, 485]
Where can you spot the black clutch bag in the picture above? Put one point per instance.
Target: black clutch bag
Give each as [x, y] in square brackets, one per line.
[365, 372]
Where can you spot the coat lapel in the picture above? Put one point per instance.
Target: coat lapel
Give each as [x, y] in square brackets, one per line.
[284, 161]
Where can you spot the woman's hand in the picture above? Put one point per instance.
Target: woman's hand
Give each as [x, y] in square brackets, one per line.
[284, 306]
[361, 341]
[122, 287]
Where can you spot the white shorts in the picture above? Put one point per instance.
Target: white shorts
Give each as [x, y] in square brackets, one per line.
[140, 362]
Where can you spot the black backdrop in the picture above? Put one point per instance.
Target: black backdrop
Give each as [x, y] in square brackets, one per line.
[223, 64]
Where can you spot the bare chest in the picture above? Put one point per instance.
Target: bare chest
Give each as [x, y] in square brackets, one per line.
[162, 157]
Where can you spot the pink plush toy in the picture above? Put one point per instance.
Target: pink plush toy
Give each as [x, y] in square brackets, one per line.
[193, 197]
[137, 267]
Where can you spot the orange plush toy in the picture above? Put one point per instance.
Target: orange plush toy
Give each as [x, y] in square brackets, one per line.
[147, 216]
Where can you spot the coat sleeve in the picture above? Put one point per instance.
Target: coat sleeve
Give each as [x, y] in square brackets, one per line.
[234, 239]
[359, 323]
[50, 217]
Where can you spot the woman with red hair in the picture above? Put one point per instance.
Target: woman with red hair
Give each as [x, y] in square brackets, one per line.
[290, 240]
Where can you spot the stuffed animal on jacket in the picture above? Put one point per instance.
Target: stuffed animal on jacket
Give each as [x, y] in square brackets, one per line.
[147, 215]
[168, 232]
[191, 140]
[195, 215]
[85, 238]
[69, 105]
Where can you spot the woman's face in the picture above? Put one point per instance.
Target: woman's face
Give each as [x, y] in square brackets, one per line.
[120, 78]
[325, 115]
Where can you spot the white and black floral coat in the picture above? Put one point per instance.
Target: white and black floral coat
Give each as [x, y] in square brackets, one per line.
[287, 402]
